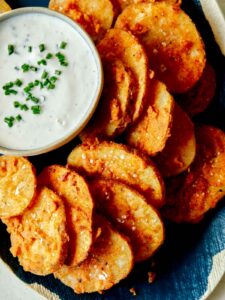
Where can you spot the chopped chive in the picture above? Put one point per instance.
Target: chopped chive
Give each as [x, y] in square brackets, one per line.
[25, 67]
[36, 109]
[53, 79]
[49, 56]
[8, 85]
[27, 89]
[42, 47]
[30, 49]
[36, 82]
[46, 82]
[9, 92]
[62, 59]
[18, 118]
[11, 49]
[16, 104]
[44, 75]
[51, 86]
[24, 107]
[35, 69]
[31, 85]
[64, 63]
[18, 82]
[41, 85]
[58, 72]
[35, 100]
[9, 121]
[42, 62]
[63, 45]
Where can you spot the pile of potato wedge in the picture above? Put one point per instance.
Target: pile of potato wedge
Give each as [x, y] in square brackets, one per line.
[88, 222]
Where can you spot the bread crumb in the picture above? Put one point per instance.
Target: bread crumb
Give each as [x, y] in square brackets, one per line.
[151, 277]
[133, 292]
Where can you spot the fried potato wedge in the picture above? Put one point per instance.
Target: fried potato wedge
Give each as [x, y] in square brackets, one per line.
[151, 131]
[124, 3]
[201, 95]
[119, 44]
[113, 114]
[73, 189]
[4, 6]
[193, 193]
[180, 148]
[174, 47]
[131, 215]
[110, 261]
[96, 17]
[115, 161]
[39, 237]
[17, 185]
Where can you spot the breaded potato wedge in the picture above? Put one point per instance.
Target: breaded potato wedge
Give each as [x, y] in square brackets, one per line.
[201, 95]
[174, 47]
[38, 237]
[180, 148]
[110, 261]
[96, 17]
[152, 129]
[115, 161]
[131, 215]
[73, 189]
[124, 3]
[193, 193]
[119, 44]
[4, 6]
[113, 113]
[17, 185]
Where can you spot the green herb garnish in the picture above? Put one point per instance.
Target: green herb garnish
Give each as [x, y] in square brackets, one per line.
[58, 72]
[63, 45]
[18, 82]
[18, 118]
[21, 106]
[30, 49]
[9, 121]
[42, 62]
[8, 85]
[36, 109]
[11, 91]
[44, 75]
[11, 49]
[62, 59]
[49, 56]
[25, 68]
[42, 47]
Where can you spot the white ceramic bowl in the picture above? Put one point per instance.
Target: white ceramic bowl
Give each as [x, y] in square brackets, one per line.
[92, 104]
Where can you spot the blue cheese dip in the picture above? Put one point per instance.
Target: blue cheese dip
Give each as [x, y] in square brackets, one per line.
[48, 80]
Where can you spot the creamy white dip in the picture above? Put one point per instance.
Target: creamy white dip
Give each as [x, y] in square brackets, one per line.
[63, 107]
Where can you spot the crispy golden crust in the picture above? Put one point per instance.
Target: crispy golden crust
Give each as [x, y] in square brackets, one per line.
[17, 185]
[174, 47]
[193, 193]
[124, 3]
[115, 161]
[151, 131]
[200, 96]
[39, 237]
[180, 148]
[110, 261]
[119, 44]
[95, 17]
[113, 114]
[73, 189]
[130, 213]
